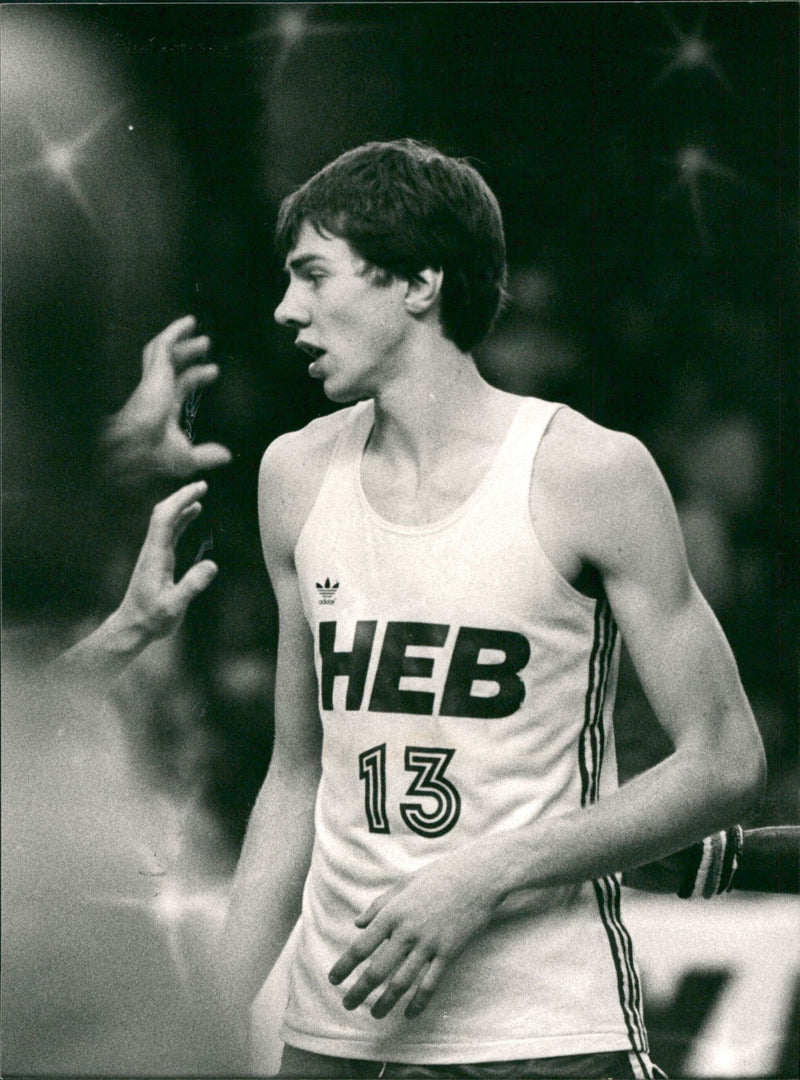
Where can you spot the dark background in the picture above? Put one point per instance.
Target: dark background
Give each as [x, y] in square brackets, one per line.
[645, 156]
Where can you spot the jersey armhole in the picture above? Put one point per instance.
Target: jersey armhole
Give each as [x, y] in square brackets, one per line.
[578, 594]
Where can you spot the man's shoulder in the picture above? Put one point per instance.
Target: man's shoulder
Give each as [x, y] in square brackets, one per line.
[582, 450]
[307, 450]
[292, 470]
[597, 491]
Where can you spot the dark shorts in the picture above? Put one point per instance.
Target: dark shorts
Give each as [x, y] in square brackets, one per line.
[619, 1065]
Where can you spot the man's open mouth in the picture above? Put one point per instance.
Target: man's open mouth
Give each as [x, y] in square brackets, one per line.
[313, 351]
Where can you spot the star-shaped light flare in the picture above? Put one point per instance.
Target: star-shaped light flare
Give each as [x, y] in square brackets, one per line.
[693, 162]
[61, 159]
[691, 52]
[290, 25]
[174, 900]
[176, 893]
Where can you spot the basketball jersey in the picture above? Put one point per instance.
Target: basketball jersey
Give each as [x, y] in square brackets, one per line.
[465, 688]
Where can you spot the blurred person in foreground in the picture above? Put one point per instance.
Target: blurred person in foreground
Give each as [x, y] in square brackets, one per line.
[146, 445]
[454, 567]
[110, 883]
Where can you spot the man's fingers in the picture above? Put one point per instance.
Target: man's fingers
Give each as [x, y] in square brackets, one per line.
[399, 983]
[182, 458]
[364, 945]
[194, 581]
[183, 352]
[196, 376]
[171, 516]
[379, 969]
[186, 517]
[425, 988]
[366, 917]
[210, 456]
[162, 344]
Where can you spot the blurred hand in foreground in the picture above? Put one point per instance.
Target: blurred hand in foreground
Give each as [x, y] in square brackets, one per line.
[154, 603]
[146, 439]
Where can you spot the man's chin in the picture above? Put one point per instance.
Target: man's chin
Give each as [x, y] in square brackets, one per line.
[342, 395]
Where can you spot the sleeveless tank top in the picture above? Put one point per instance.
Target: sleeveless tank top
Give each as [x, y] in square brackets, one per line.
[465, 688]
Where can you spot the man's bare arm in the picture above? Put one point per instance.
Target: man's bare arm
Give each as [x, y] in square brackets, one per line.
[268, 883]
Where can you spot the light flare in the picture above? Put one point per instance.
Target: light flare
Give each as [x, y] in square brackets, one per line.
[175, 900]
[691, 52]
[693, 163]
[61, 160]
[290, 26]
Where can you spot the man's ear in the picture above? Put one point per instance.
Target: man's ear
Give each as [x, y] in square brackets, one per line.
[424, 290]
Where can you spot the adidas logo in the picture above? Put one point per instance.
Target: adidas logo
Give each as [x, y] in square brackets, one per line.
[327, 592]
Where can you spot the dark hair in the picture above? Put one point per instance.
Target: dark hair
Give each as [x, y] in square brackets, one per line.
[403, 206]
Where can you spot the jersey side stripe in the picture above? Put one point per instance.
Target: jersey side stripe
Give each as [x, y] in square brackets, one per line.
[592, 738]
[641, 1065]
[607, 889]
[607, 894]
[627, 951]
[586, 756]
[609, 640]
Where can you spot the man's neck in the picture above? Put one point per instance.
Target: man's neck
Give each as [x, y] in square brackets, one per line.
[439, 400]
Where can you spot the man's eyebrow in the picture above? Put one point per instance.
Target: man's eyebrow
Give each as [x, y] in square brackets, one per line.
[299, 262]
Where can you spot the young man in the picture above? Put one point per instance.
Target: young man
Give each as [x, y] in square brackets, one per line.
[453, 567]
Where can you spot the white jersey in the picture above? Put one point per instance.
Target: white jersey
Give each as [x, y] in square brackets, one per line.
[465, 688]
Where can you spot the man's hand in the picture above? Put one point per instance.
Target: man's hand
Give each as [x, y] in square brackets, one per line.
[154, 602]
[146, 438]
[412, 931]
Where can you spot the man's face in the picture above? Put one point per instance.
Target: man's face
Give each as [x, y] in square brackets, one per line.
[352, 328]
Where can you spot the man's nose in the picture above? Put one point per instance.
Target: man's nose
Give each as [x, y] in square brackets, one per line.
[291, 311]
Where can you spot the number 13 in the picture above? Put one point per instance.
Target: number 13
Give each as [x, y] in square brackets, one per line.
[429, 764]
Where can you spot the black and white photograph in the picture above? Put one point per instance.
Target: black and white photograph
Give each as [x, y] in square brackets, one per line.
[400, 540]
